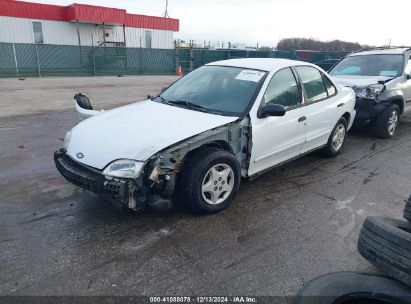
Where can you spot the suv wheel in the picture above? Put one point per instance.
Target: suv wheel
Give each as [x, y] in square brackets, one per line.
[210, 180]
[386, 124]
[337, 138]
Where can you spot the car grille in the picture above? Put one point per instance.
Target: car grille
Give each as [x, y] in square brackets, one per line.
[86, 178]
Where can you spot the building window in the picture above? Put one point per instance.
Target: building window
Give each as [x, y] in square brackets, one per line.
[148, 39]
[38, 32]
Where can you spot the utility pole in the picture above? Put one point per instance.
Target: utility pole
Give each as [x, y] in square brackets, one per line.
[166, 15]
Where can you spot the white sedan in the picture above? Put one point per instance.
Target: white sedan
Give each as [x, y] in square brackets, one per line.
[225, 121]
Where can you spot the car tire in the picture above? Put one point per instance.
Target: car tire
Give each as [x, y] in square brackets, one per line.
[352, 287]
[387, 122]
[205, 177]
[407, 210]
[386, 243]
[337, 138]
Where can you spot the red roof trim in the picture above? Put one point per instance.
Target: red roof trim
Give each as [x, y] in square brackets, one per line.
[86, 13]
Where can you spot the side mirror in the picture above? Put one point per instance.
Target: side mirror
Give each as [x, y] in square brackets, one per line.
[272, 110]
[408, 76]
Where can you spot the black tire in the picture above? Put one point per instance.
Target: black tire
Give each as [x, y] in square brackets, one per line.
[195, 171]
[330, 150]
[381, 123]
[352, 287]
[386, 243]
[407, 210]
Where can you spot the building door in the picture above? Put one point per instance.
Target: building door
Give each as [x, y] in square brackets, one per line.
[148, 36]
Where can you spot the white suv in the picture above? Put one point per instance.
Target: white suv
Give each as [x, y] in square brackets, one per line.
[200, 136]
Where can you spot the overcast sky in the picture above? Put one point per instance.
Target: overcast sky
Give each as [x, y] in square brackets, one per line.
[372, 22]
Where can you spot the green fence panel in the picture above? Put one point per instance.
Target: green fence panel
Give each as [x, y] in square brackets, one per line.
[7, 61]
[26, 55]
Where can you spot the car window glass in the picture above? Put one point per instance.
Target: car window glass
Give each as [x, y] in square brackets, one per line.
[329, 85]
[283, 89]
[313, 83]
[226, 90]
[388, 65]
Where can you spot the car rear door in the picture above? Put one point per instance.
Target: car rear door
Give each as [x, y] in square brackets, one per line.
[277, 139]
[323, 108]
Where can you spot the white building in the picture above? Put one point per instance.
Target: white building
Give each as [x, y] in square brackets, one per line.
[83, 25]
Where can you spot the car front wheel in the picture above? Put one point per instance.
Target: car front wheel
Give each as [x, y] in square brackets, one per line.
[386, 124]
[211, 179]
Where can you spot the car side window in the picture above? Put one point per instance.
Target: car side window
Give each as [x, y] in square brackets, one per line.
[313, 83]
[331, 90]
[283, 89]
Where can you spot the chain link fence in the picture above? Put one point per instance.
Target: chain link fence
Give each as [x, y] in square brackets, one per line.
[190, 58]
[37, 60]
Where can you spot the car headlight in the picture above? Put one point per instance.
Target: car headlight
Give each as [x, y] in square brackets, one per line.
[67, 139]
[371, 91]
[125, 168]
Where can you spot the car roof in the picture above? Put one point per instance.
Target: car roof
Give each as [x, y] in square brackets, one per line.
[387, 51]
[263, 64]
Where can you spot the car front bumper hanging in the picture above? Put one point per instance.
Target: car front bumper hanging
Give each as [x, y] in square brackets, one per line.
[90, 179]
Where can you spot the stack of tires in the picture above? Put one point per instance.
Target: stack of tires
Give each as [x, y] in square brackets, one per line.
[385, 243]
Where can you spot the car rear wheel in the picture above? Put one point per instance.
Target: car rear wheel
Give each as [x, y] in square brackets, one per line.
[337, 138]
[210, 180]
[387, 122]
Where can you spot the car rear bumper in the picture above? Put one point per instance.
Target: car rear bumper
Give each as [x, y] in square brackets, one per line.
[89, 178]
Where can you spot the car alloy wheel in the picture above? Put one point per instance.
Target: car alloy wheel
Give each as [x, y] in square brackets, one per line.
[218, 183]
[338, 137]
[392, 122]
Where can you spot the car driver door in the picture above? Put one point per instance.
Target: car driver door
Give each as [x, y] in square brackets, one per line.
[276, 139]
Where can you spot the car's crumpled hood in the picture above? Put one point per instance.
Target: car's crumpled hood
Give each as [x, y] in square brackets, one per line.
[137, 131]
[358, 82]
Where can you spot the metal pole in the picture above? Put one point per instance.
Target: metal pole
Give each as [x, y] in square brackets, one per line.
[15, 61]
[104, 34]
[191, 56]
[79, 42]
[124, 34]
[177, 57]
[93, 55]
[38, 60]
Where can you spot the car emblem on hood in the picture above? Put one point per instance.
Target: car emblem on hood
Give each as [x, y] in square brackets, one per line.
[80, 155]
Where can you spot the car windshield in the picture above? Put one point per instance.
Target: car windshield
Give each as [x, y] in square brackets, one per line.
[215, 89]
[370, 65]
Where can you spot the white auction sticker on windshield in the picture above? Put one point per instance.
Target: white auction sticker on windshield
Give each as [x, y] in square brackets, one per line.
[250, 75]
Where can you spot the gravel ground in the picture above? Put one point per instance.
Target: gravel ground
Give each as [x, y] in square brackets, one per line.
[284, 228]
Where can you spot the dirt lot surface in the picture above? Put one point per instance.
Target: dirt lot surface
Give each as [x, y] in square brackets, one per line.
[284, 228]
[36, 95]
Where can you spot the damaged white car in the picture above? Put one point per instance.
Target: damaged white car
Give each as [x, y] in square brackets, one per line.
[222, 122]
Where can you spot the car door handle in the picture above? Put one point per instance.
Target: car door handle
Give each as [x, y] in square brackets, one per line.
[340, 105]
[302, 118]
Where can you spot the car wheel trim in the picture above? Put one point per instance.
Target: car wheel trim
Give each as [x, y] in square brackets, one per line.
[392, 122]
[218, 183]
[338, 138]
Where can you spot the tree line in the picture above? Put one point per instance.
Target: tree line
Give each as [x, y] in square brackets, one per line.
[293, 44]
